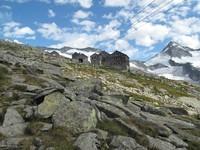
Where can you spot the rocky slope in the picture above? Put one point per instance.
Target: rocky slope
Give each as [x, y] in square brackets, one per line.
[176, 62]
[50, 103]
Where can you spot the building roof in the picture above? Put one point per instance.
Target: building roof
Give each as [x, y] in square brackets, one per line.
[74, 55]
[118, 53]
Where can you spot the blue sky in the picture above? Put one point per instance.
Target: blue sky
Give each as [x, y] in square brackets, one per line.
[139, 28]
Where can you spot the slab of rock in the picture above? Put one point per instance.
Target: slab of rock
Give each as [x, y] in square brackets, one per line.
[125, 143]
[13, 124]
[153, 110]
[101, 134]
[167, 120]
[177, 141]
[11, 143]
[12, 117]
[86, 87]
[43, 93]
[75, 116]
[50, 104]
[158, 144]
[13, 130]
[87, 141]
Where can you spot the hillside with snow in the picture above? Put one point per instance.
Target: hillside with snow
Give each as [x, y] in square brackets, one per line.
[68, 51]
[176, 62]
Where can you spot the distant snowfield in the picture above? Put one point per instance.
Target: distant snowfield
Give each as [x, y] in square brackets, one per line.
[69, 53]
[174, 72]
[172, 77]
[194, 60]
[62, 54]
[160, 58]
[132, 65]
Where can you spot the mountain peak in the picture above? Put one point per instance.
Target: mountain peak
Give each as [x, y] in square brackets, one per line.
[174, 49]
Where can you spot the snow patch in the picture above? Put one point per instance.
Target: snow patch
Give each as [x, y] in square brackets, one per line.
[172, 77]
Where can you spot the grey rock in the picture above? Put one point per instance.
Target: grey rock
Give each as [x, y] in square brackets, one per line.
[153, 110]
[37, 142]
[29, 112]
[86, 87]
[13, 124]
[101, 134]
[19, 102]
[76, 116]
[178, 110]
[43, 93]
[109, 110]
[13, 130]
[166, 120]
[11, 143]
[159, 144]
[87, 141]
[177, 141]
[46, 126]
[125, 143]
[12, 117]
[51, 103]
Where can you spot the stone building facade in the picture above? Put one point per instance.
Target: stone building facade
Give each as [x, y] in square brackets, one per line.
[79, 58]
[99, 59]
[116, 60]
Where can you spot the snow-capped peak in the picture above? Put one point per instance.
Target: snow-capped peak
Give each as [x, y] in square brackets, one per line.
[176, 62]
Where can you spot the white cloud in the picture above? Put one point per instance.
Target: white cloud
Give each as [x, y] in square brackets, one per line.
[88, 25]
[18, 1]
[65, 37]
[76, 40]
[45, 1]
[190, 41]
[197, 7]
[148, 34]
[83, 3]
[186, 31]
[51, 31]
[124, 46]
[185, 26]
[5, 14]
[24, 1]
[81, 14]
[51, 13]
[117, 3]
[16, 30]
[109, 31]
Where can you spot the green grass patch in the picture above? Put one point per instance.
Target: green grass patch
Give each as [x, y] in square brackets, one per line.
[112, 127]
[4, 77]
[193, 145]
[59, 138]
[143, 98]
[146, 127]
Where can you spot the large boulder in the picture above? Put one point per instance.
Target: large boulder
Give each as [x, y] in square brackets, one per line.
[125, 143]
[86, 88]
[50, 104]
[13, 124]
[75, 116]
[87, 141]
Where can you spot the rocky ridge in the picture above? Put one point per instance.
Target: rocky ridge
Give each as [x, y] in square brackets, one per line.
[50, 103]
